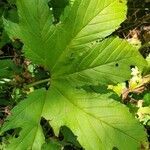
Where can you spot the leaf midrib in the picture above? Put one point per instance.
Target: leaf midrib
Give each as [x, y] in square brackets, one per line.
[71, 40]
[88, 114]
[89, 68]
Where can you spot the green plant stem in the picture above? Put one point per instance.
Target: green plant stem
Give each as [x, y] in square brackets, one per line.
[37, 83]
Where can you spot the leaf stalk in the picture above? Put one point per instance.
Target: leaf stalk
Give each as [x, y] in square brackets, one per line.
[37, 83]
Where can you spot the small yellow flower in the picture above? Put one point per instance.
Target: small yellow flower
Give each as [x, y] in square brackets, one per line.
[118, 89]
[135, 82]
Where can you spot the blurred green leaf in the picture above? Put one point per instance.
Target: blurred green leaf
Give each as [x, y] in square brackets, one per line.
[12, 2]
[51, 145]
[69, 137]
[147, 99]
[4, 39]
[58, 7]
[6, 68]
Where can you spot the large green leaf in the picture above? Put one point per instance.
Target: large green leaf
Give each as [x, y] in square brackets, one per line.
[72, 43]
[34, 28]
[27, 116]
[88, 20]
[106, 62]
[98, 121]
[70, 52]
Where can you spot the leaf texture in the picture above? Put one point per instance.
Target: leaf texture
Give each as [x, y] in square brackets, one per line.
[27, 116]
[107, 62]
[34, 29]
[84, 24]
[98, 121]
[76, 53]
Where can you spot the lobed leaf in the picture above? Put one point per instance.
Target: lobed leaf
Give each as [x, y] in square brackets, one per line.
[34, 29]
[98, 121]
[44, 43]
[87, 21]
[27, 116]
[107, 62]
[70, 52]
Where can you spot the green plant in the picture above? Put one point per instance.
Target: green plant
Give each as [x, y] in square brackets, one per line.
[77, 54]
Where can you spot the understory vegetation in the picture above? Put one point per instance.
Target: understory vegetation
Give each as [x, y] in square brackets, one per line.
[74, 74]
